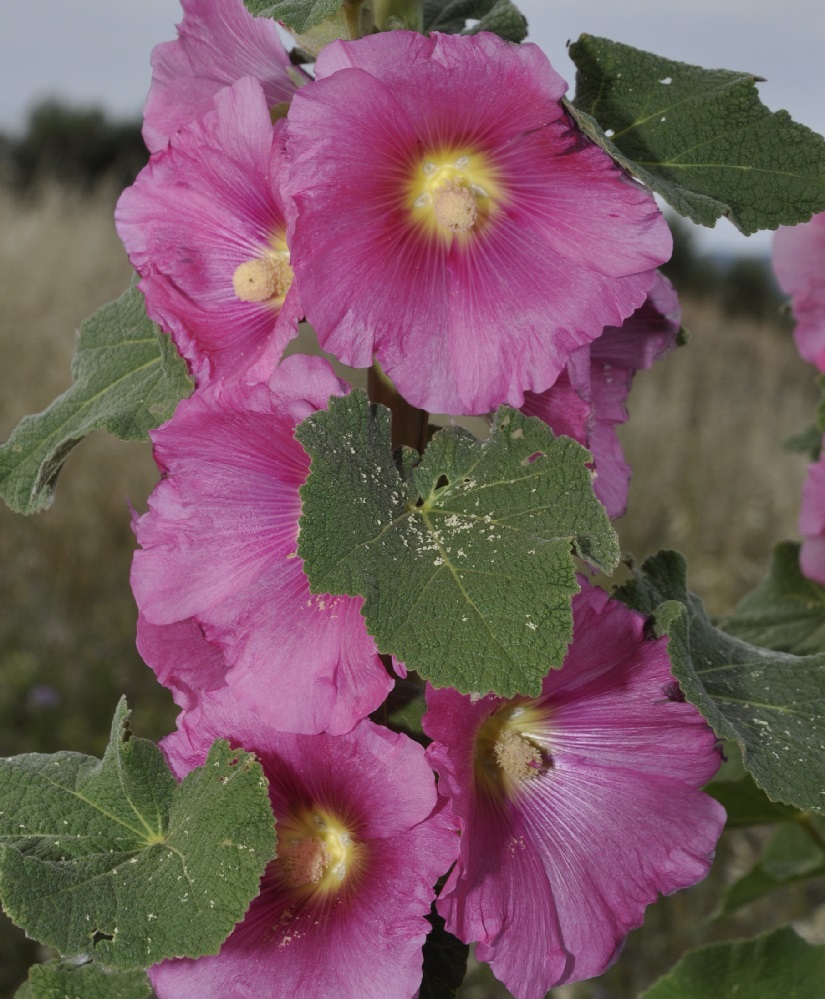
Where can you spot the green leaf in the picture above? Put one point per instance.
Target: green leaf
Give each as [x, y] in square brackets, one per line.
[114, 858]
[700, 138]
[127, 379]
[296, 14]
[748, 805]
[769, 703]
[786, 611]
[776, 964]
[445, 962]
[501, 17]
[58, 980]
[403, 710]
[463, 558]
[790, 857]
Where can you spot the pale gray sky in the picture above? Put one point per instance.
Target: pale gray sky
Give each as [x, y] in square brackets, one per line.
[97, 51]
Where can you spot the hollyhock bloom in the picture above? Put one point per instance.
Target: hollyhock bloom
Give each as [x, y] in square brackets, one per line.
[577, 807]
[799, 265]
[361, 842]
[218, 43]
[465, 232]
[587, 400]
[812, 523]
[204, 226]
[219, 561]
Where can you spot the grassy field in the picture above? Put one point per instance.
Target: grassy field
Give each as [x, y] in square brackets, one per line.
[710, 479]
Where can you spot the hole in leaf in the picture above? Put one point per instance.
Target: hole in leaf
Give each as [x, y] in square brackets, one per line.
[100, 936]
[442, 481]
[533, 457]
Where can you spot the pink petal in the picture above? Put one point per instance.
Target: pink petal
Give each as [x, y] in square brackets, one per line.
[799, 262]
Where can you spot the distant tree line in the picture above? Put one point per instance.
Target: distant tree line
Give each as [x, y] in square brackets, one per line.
[77, 147]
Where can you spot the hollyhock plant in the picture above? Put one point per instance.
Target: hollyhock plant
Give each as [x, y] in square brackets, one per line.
[577, 807]
[219, 42]
[587, 400]
[204, 226]
[362, 840]
[812, 523]
[464, 231]
[219, 561]
[799, 264]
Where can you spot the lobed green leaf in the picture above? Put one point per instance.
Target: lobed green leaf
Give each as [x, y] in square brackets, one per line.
[776, 964]
[786, 611]
[58, 980]
[127, 379]
[769, 703]
[502, 17]
[464, 556]
[700, 138]
[114, 859]
[296, 14]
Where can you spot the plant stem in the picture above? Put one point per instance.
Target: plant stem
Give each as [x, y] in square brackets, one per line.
[409, 424]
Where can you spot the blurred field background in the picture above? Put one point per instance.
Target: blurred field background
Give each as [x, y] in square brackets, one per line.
[711, 478]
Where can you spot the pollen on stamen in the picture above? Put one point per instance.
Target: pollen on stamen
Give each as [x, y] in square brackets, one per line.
[517, 756]
[455, 207]
[262, 278]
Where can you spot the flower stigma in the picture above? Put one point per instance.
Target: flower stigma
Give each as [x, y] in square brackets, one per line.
[316, 852]
[511, 748]
[452, 193]
[264, 278]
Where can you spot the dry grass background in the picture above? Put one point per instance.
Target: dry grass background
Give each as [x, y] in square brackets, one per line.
[710, 478]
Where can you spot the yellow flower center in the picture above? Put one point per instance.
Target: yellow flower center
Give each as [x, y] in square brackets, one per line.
[264, 278]
[453, 192]
[315, 851]
[511, 748]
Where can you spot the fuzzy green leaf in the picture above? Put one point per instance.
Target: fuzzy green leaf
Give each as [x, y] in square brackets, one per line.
[501, 17]
[464, 558]
[58, 980]
[700, 138]
[127, 379]
[786, 611]
[296, 14]
[777, 964]
[113, 858]
[771, 704]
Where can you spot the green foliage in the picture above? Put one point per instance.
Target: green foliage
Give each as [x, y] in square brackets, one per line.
[445, 962]
[296, 14]
[748, 805]
[700, 138]
[463, 557]
[777, 964]
[785, 612]
[790, 857]
[502, 17]
[769, 703]
[127, 379]
[57, 980]
[114, 858]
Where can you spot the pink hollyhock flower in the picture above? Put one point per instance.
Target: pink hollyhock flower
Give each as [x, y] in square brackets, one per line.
[204, 226]
[587, 400]
[446, 215]
[577, 807]
[361, 842]
[799, 264]
[812, 523]
[218, 43]
[219, 562]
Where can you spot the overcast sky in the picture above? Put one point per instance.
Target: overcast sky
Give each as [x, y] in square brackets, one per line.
[97, 51]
